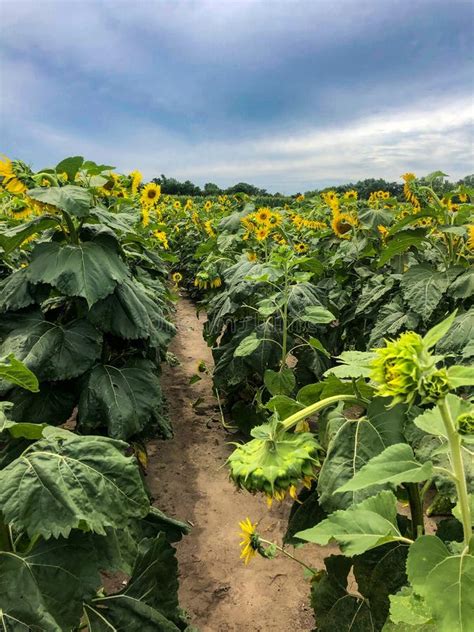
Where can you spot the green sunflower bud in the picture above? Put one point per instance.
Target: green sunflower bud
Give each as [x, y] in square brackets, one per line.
[274, 461]
[465, 423]
[405, 369]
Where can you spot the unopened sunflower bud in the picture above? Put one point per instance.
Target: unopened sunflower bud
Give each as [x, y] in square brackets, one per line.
[405, 369]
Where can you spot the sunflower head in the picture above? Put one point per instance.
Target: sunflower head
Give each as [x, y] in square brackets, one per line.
[275, 219]
[250, 541]
[161, 236]
[177, 277]
[341, 224]
[350, 195]
[263, 215]
[274, 462]
[252, 256]
[405, 369]
[470, 237]
[136, 179]
[262, 233]
[301, 247]
[465, 423]
[150, 194]
[13, 174]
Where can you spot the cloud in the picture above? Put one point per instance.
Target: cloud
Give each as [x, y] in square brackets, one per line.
[284, 94]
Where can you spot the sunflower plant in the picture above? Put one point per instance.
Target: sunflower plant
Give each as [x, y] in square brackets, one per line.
[370, 464]
[83, 305]
[58, 534]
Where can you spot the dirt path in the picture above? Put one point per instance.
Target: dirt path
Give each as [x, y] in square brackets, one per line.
[188, 480]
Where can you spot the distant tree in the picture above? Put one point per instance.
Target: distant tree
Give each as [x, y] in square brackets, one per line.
[244, 187]
[171, 186]
[212, 189]
[467, 181]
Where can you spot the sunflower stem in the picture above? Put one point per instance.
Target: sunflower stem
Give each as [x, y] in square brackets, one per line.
[454, 441]
[292, 420]
[289, 555]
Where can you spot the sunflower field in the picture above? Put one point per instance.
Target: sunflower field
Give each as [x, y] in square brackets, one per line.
[342, 338]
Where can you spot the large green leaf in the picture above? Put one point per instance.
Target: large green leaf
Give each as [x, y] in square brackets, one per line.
[149, 602]
[305, 513]
[352, 443]
[395, 465]
[15, 291]
[45, 589]
[317, 315]
[353, 364]
[463, 286]
[70, 166]
[15, 372]
[459, 336]
[363, 526]
[14, 237]
[400, 243]
[90, 269]
[392, 318]
[54, 351]
[422, 288]
[130, 313]
[445, 580]
[122, 399]
[66, 481]
[409, 613]
[337, 606]
[431, 422]
[70, 198]
[280, 382]
[52, 404]
[247, 346]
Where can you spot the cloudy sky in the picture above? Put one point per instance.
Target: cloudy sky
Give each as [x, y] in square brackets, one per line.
[286, 94]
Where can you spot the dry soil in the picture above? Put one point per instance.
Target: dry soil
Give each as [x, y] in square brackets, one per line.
[188, 479]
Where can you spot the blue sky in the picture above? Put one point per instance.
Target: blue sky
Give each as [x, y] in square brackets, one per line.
[289, 95]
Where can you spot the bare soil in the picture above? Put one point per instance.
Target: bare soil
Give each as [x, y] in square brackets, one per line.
[189, 481]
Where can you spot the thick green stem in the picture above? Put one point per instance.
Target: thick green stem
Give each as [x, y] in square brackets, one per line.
[292, 420]
[71, 228]
[284, 341]
[416, 509]
[454, 441]
[6, 543]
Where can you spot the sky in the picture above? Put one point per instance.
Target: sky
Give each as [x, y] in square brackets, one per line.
[289, 95]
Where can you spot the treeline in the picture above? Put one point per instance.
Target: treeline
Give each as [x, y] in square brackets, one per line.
[172, 186]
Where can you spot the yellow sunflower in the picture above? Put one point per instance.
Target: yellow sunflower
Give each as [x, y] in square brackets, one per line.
[275, 219]
[383, 230]
[249, 542]
[261, 234]
[10, 182]
[301, 247]
[342, 224]
[136, 177]
[252, 256]
[150, 194]
[161, 236]
[177, 204]
[208, 205]
[350, 195]
[145, 215]
[177, 277]
[263, 215]
[470, 237]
